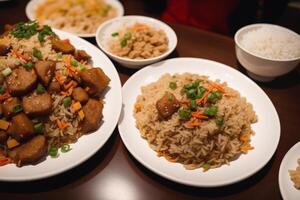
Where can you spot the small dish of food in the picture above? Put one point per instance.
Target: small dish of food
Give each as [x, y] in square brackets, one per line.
[198, 122]
[267, 51]
[289, 174]
[135, 41]
[53, 99]
[81, 18]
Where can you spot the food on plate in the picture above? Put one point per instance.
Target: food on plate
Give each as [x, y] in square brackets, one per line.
[295, 175]
[76, 16]
[272, 43]
[50, 94]
[138, 41]
[192, 120]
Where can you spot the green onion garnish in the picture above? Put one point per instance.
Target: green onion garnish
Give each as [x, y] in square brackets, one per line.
[74, 62]
[28, 65]
[219, 121]
[115, 34]
[67, 101]
[40, 89]
[206, 166]
[211, 111]
[123, 43]
[127, 36]
[185, 113]
[37, 53]
[2, 89]
[173, 85]
[65, 148]
[81, 67]
[53, 152]
[17, 108]
[38, 128]
[6, 72]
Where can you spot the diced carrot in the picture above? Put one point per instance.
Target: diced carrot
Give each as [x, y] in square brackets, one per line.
[218, 87]
[246, 147]
[193, 122]
[68, 85]
[199, 115]
[199, 101]
[61, 125]
[5, 161]
[60, 78]
[11, 143]
[18, 55]
[4, 124]
[76, 106]
[9, 99]
[245, 137]
[81, 114]
[67, 41]
[4, 96]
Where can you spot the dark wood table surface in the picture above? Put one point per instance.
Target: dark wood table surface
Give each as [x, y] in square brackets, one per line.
[112, 173]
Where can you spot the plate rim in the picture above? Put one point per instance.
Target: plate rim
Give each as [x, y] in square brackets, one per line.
[281, 169]
[33, 3]
[185, 182]
[110, 129]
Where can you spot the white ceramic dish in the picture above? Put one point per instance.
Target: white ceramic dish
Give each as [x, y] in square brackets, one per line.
[87, 145]
[30, 7]
[258, 67]
[289, 162]
[265, 140]
[103, 36]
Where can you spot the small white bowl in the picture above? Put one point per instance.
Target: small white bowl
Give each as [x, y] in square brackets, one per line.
[31, 6]
[103, 36]
[262, 68]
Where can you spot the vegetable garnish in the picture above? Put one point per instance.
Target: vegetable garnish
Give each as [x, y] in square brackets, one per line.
[193, 104]
[53, 152]
[61, 125]
[199, 115]
[114, 34]
[211, 111]
[123, 43]
[246, 147]
[4, 124]
[173, 85]
[38, 128]
[219, 121]
[17, 108]
[206, 166]
[127, 36]
[6, 72]
[5, 161]
[218, 87]
[28, 65]
[37, 53]
[74, 62]
[184, 113]
[65, 148]
[2, 89]
[193, 122]
[26, 30]
[21, 56]
[67, 101]
[40, 89]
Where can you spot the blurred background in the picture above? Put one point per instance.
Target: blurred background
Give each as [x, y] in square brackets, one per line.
[221, 16]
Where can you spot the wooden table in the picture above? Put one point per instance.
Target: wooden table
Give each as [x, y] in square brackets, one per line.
[112, 173]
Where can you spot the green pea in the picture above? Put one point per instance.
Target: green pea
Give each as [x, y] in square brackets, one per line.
[185, 113]
[219, 121]
[211, 111]
[192, 94]
[173, 85]
[211, 97]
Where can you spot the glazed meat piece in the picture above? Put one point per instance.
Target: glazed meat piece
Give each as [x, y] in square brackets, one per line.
[54, 87]
[21, 81]
[37, 104]
[96, 80]
[4, 49]
[81, 55]
[167, 105]
[30, 152]
[9, 105]
[63, 46]
[45, 71]
[80, 94]
[21, 127]
[92, 115]
[3, 137]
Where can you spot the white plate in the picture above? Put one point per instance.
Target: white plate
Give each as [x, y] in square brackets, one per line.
[289, 162]
[104, 31]
[88, 144]
[265, 140]
[31, 6]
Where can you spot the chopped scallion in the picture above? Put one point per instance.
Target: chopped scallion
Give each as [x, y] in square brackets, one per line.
[28, 65]
[6, 72]
[65, 148]
[40, 89]
[2, 89]
[17, 108]
[115, 34]
[67, 101]
[74, 62]
[38, 128]
[53, 152]
[37, 53]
